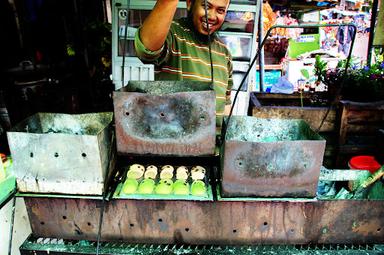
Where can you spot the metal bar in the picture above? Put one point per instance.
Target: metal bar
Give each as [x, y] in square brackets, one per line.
[12, 224]
[261, 58]
[372, 30]
[125, 44]
[100, 226]
[30, 246]
[11, 195]
[105, 193]
[225, 124]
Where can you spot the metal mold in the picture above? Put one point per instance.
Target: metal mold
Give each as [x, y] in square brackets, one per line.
[271, 158]
[62, 153]
[165, 118]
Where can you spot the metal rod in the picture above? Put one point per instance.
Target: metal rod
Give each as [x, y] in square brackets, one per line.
[12, 224]
[11, 195]
[100, 225]
[209, 40]
[17, 22]
[125, 43]
[372, 30]
[226, 124]
[104, 194]
[261, 58]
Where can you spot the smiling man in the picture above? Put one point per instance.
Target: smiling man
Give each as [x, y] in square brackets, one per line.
[180, 51]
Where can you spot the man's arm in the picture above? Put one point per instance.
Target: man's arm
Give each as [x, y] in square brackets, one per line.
[228, 101]
[155, 28]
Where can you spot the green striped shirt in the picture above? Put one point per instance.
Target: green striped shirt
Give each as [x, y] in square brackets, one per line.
[185, 56]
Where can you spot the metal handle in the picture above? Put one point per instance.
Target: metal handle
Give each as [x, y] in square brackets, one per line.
[226, 124]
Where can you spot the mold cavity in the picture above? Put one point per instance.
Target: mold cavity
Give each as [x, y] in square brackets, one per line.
[162, 114]
[202, 117]
[127, 113]
[265, 223]
[89, 224]
[83, 155]
[160, 220]
[56, 154]
[64, 217]
[240, 163]
[234, 231]
[131, 225]
[31, 154]
[42, 223]
[379, 229]
[186, 229]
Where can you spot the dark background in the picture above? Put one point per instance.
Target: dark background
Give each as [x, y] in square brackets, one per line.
[55, 58]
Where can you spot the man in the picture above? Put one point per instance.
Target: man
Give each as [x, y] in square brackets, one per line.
[180, 51]
[344, 37]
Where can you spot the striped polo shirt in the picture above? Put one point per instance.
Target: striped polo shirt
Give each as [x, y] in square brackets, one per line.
[185, 56]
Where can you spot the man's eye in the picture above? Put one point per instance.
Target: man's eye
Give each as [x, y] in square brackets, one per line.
[221, 11]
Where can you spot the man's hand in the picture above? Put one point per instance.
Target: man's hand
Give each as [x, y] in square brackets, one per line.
[227, 109]
[155, 28]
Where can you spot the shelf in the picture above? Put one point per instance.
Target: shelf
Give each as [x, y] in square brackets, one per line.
[271, 67]
[238, 34]
[53, 195]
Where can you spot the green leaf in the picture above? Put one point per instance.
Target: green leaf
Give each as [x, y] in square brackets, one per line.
[305, 73]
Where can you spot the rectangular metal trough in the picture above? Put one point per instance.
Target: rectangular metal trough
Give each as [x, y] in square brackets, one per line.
[165, 118]
[270, 158]
[62, 153]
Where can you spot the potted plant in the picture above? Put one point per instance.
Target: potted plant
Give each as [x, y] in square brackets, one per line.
[361, 84]
[320, 69]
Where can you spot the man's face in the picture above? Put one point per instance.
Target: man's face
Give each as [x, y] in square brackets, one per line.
[216, 10]
[347, 19]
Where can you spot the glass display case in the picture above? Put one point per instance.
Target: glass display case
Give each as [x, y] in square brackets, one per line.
[240, 46]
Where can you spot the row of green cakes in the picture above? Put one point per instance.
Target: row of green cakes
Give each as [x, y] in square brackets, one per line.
[165, 182]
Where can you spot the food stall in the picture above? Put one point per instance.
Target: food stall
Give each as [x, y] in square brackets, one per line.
[152, 178]
[167, 187]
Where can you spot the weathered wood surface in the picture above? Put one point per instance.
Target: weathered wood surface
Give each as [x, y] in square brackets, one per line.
[221, 222]
[359, 129]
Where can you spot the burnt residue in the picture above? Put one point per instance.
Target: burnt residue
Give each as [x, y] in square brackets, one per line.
[274, 161]
[78, 230]
[57, 123]
[165, 87]
[172, 124]
[158, 118]
[279, 169]
[243, 128]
